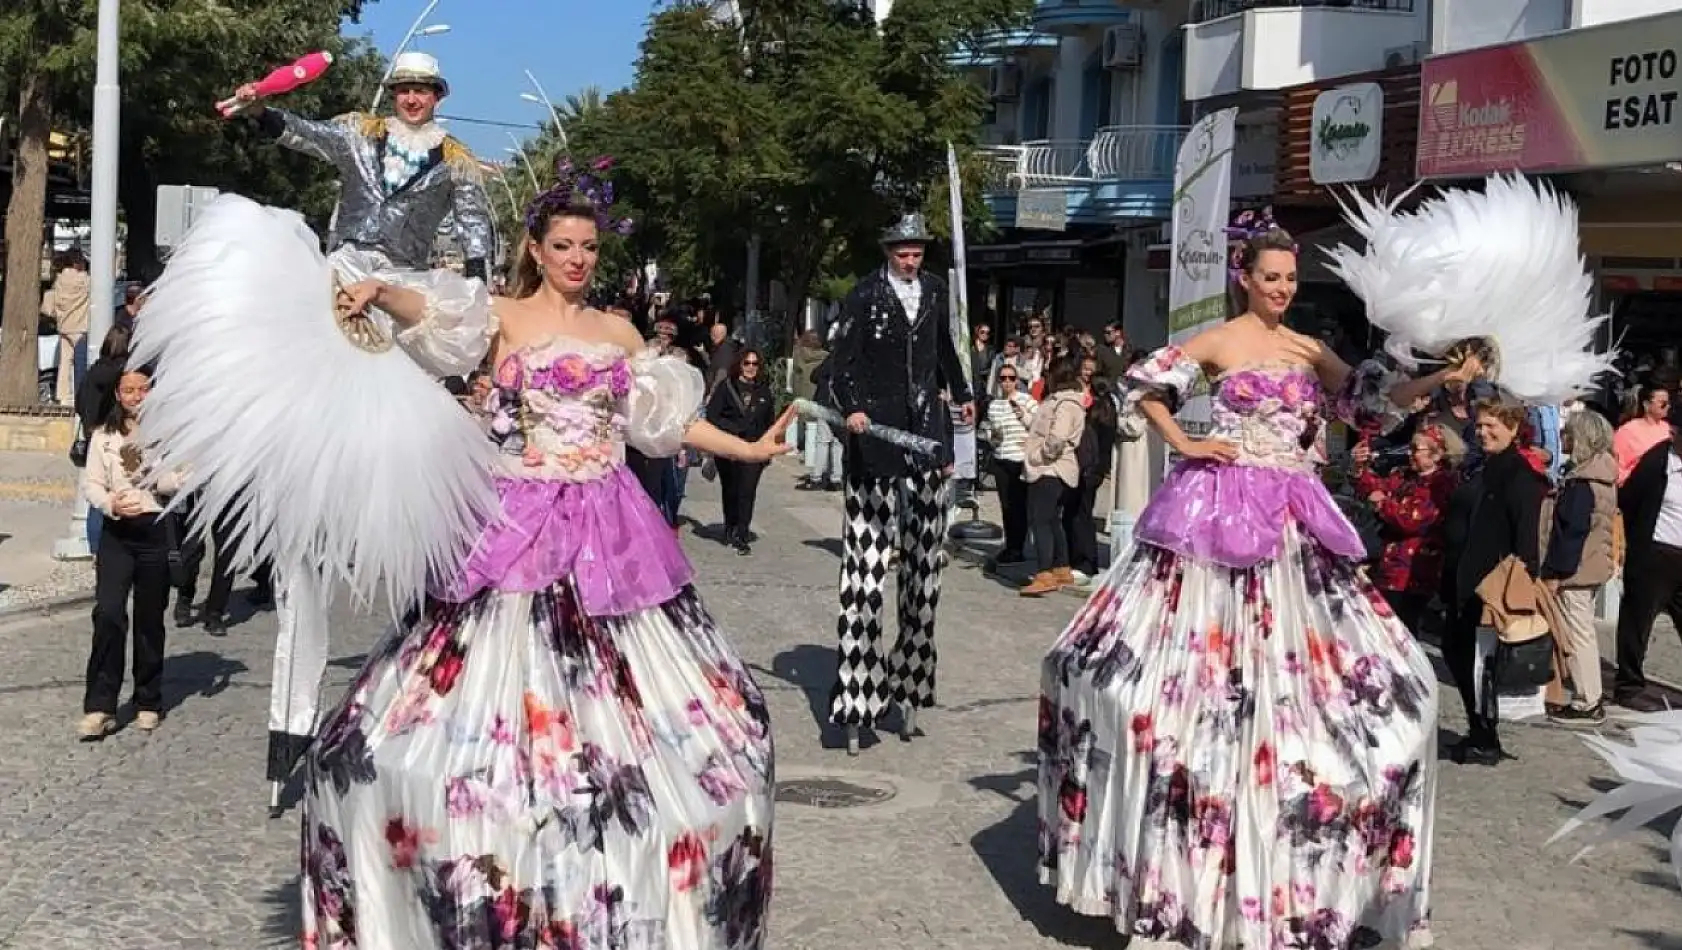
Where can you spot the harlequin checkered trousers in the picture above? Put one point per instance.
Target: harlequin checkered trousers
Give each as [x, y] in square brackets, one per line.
[908, 512]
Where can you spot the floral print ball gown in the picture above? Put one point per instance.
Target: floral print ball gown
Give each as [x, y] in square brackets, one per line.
[563, 752]
[1237, 738]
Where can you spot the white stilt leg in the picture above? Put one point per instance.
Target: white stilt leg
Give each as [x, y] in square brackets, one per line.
[852, 740]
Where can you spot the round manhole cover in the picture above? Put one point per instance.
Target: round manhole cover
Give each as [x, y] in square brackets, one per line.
[833, 792]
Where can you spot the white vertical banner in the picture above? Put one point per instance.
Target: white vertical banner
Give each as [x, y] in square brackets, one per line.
[1197, 283]
[963, 436]
[960, 265]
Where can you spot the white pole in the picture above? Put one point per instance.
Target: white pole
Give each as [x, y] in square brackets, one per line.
[520, 150]
[379, 94]
[555, 114]
[107, 126]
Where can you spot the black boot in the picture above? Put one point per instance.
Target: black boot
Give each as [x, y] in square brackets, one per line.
[1481, 745]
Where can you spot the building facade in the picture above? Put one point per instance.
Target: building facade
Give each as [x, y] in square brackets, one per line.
[1086, 116]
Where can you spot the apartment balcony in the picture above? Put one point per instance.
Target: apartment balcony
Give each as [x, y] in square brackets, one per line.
[1077, 16]
[994, 49]
[1123, 172]
[1238, 45]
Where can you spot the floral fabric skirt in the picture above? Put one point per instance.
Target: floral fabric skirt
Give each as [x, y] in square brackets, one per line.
[1240, 758]
[513, 774]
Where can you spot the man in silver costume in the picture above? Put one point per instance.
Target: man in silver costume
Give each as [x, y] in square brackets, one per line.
[402, 175]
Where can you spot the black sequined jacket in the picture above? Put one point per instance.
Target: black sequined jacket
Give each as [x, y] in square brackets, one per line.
[893, 368]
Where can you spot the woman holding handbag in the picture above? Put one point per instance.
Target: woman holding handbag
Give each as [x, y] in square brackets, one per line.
[133, 560]
[1494, 515]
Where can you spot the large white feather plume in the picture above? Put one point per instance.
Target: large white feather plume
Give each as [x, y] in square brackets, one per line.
[1501, 264]
[1651, 768]
[356, 463]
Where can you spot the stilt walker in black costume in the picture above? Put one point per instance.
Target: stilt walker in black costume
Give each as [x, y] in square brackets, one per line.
[894, 363]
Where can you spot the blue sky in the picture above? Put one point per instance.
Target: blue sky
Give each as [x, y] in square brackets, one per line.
[567, 44]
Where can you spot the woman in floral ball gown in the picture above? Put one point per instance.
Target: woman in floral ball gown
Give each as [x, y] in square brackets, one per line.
[1237, 737]
[563, 752]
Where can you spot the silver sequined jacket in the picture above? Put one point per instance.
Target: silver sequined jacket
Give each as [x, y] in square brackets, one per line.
[403, 225]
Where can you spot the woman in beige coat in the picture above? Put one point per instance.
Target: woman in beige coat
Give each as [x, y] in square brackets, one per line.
[1580, 560]
[1052, 472]
[69, 309]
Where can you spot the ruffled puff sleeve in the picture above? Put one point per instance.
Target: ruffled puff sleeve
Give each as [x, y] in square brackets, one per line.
[1364, 401]
[1167, 375]
[664, 401]
[454, 335]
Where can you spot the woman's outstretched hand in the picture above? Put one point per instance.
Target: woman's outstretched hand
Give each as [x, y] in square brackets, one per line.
[771, 444]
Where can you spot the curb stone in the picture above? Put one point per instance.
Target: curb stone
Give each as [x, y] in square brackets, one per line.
[47, 607]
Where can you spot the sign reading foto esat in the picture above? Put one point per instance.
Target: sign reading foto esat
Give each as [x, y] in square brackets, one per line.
[1347, 134]
[1607, 96]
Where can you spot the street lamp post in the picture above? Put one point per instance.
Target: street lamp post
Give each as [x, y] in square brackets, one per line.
[520, 150]
[102, 262]
[554, 113]
[415, 30]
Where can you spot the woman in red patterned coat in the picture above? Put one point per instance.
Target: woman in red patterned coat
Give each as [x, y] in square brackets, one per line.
[1410, 504]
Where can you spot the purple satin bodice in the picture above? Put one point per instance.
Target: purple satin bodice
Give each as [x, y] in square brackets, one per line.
[1235, 514]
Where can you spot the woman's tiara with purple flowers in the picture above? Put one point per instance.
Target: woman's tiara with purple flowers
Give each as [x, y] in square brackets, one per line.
[574, 185]
[1248, 226]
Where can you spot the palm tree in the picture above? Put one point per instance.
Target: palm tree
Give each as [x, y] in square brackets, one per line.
[580, 104]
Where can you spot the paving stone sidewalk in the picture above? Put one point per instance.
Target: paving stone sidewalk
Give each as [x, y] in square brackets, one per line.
[146, 843]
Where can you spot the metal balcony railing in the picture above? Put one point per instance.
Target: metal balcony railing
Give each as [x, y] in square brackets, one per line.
[1115, 153]
[1205, 10]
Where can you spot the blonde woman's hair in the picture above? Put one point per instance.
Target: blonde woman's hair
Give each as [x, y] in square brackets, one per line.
[1590, 435]
[1447, 441]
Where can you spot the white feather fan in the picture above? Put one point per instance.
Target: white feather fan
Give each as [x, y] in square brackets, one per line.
[1651, 768]
[326, 455]
[1500, 265]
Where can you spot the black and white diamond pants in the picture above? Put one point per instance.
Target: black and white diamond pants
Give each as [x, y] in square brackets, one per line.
[909, 513]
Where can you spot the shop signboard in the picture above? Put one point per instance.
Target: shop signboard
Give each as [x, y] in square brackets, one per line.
[1347, 134]
[1600, 97]
[1042, 209]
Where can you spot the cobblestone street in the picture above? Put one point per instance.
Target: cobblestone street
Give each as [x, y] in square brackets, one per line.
[163, 842]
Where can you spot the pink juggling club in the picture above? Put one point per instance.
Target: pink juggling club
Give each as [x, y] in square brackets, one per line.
[283, 80]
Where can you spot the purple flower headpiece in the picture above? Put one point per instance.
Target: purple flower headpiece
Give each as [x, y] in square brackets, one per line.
[1247, 226]
[574, 184]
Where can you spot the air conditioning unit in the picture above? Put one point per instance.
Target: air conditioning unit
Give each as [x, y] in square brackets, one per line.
[1004, 82]
[1124, 45]
[1398, 57]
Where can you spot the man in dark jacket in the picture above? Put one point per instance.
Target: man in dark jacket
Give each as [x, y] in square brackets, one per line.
[1651, 502]
[894, 356]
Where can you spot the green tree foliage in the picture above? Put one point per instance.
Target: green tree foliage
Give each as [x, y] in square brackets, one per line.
[802, 122]
[178, 57]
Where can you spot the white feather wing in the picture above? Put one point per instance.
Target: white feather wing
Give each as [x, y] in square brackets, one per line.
[1501, 264]
[1651, 767]
[327, 455]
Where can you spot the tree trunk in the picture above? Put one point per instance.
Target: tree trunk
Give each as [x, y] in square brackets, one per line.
[25, 223]
[137, 192]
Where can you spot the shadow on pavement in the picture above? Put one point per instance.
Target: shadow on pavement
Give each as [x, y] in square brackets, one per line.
[199, 673]
[1007, 850]
[829, 546]
[285, 912]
